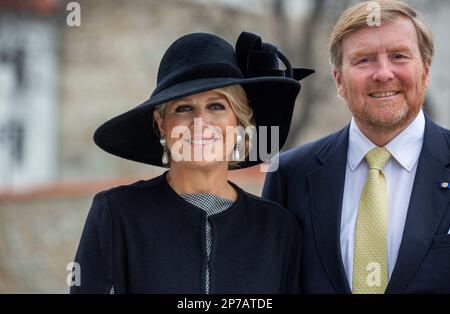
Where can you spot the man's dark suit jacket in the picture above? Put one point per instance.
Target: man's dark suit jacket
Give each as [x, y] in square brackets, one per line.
[310, 183]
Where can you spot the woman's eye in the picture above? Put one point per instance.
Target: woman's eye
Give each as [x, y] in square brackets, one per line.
[183, 108]
[216, 106]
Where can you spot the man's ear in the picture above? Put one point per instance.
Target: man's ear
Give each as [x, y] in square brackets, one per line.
[159, 121]
[337, 76]
[426, 74]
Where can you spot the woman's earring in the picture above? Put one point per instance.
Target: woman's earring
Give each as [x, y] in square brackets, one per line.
[236, 153]
[165, 156]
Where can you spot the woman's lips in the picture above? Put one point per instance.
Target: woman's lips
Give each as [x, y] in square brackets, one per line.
[203, 141]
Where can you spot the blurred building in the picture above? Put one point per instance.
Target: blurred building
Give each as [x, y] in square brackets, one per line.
[28, 94]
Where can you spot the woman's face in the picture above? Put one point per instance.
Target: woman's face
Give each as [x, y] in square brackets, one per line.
[199, 129]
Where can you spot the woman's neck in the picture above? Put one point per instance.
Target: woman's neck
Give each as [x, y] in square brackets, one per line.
[185, 180]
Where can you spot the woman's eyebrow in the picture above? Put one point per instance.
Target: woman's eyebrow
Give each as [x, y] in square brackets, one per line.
[215, 97]
[185, 99]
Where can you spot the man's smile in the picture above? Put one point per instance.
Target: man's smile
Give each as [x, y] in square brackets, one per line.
[384, 94]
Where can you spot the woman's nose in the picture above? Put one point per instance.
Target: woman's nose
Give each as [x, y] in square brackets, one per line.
[200, 117]
[199, 122]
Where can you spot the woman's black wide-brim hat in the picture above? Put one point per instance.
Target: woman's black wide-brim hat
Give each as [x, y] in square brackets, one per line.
[200, 62]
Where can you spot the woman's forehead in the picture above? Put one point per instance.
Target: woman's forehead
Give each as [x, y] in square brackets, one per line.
[204, 96]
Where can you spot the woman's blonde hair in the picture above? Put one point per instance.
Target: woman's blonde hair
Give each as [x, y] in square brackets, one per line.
[237, 98]
[355, 18]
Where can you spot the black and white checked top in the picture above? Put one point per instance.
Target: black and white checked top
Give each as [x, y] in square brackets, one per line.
[212, 204]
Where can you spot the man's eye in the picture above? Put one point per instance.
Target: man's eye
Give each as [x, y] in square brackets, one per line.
[216, 106]
[399, 56]
[364, 60]
[183, 108]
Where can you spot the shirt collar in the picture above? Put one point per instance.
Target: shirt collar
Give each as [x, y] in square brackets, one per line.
[405, 147]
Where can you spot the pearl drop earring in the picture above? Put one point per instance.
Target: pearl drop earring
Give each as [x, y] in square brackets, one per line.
[165, 156]
[236, 153]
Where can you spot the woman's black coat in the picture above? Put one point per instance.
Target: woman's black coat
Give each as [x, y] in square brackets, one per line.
[145, 238]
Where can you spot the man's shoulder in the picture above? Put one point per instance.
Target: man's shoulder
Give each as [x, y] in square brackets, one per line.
[436, 137]
[307, 153]
[443, 129]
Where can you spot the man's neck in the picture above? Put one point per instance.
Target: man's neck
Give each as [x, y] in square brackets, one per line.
[382, 136]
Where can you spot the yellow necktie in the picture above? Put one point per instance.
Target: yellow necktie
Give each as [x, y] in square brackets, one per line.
[370, 263]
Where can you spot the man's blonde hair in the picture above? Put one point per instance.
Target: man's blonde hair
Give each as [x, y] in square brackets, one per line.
[355, 18]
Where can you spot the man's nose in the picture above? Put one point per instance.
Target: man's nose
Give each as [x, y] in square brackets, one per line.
[383, 71]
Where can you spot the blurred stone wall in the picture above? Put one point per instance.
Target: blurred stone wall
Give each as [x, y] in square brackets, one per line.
[38, 237]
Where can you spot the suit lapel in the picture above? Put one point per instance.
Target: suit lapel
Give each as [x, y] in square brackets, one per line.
[326, 185]
[427, 205]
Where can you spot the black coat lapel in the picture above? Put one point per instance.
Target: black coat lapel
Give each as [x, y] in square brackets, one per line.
[326, 186]
[426, 208]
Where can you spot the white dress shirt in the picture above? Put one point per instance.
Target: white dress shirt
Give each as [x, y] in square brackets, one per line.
[399, 172]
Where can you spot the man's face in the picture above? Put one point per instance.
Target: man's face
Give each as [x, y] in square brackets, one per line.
[383, 78]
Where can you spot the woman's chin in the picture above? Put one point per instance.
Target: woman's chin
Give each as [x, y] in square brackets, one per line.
[202, 164]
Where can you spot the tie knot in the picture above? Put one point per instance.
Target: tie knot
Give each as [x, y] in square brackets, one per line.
[378, 157]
